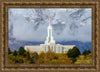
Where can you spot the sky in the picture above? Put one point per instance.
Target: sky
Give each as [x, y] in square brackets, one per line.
[69, 24]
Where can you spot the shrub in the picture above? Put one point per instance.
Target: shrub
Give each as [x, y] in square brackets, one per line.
[82, 59]
[20, 60]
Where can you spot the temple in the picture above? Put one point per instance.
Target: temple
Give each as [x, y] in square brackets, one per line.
[49, 39]
[49, 44]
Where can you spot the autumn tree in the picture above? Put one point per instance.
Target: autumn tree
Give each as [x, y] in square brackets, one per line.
[82, 59]
[28, 55]
[35, 54]
[41, 58]
[34, 57]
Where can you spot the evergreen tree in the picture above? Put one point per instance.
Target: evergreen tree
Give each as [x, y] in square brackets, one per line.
[21, 51]
[74, 52]
[9, 51]
[86, 52]
[15, 53]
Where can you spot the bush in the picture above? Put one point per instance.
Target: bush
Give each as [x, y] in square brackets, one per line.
[82, 59]
[86, 52]
[20, 60]
[21, 51]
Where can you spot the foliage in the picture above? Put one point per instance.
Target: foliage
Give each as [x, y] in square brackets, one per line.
[49, 57]
[86, 52]
[34, 57]
[21, 51]
[15, 53]
[9, 51]
[28, 55]
[53, 58]
[82, 59]
[25, 53]
[74, 60]
[15, 59]
[73, 53]
[35, 54]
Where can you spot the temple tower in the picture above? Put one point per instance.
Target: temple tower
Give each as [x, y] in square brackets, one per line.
[49, 38]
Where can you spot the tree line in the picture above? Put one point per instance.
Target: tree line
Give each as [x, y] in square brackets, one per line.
[50, 57]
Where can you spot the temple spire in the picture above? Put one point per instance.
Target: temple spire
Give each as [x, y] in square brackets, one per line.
[49, 20]
[49, 39]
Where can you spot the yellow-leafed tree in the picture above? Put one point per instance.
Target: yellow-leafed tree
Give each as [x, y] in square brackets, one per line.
[82, 59]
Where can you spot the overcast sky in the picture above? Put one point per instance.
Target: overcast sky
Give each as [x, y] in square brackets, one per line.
[69, 24]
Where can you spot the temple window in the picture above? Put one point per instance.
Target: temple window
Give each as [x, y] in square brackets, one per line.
[45, 48]
[52, 48]
[58, 49]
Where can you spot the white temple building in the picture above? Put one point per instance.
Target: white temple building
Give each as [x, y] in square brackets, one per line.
[49, 44]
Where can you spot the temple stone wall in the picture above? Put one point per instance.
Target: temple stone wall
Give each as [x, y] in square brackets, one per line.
[57, 48]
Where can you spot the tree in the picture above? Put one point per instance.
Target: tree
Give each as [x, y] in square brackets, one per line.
[41, 58]
[28, 55]
[9, 51]
[25, 53]
[33, 60]
[15, 53]
[50, 55]
[34, 57]
[74, 52]
[35, 54]
[21, 51]
[86, 52]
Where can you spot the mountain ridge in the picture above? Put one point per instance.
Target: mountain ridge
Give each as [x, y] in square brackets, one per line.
[80, 45]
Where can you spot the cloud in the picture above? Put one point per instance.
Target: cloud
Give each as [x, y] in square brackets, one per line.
[68, 24]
